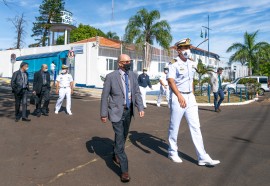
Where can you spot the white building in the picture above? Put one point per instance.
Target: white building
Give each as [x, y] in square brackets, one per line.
[94, 58]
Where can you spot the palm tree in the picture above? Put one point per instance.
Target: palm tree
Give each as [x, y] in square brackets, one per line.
[202, 70]
[146, 27]
[246, 52]
[112, 35]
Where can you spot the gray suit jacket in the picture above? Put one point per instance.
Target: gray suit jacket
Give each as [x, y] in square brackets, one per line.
[113, 96]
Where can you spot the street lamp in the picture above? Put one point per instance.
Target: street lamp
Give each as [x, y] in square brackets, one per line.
[198, 46]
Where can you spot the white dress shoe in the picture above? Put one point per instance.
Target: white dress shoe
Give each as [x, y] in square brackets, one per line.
[69, 113]
[56, 112]
[175, 159]
[208, 162]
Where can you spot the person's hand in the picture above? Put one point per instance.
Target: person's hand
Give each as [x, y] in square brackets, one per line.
[34, 92]
[165, 87]
[141, 114]
[57, 91]
[182, 101]
[103, 119]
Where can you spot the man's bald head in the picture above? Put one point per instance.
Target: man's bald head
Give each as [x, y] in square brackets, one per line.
[44, 67]
[123, 61]
[123, 57]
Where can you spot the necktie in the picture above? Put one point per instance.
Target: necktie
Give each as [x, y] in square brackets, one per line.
[127, 87]
[44, 79]
[24, 80]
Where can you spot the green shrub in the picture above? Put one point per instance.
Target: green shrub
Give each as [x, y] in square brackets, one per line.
[252, 86]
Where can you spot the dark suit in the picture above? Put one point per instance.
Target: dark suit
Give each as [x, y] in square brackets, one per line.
[20, 90]
[113, 106]
[42, 88]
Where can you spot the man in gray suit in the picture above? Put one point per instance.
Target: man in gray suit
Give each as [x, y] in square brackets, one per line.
[121, 93]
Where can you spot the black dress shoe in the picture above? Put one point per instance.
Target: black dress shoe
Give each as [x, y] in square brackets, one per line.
[125, 177]
[26, 119]
[45, 114]
[17, 119]
[38, 114]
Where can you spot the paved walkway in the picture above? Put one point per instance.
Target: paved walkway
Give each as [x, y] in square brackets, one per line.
[62, 150]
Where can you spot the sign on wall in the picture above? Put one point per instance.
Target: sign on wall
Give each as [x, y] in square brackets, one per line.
[77, 49]
[66, 17]
[13, 58]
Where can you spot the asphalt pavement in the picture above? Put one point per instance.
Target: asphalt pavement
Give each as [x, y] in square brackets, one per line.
[63, 150]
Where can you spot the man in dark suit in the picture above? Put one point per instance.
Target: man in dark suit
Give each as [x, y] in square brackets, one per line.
[121, 93]
[20, 88]
[42, 88]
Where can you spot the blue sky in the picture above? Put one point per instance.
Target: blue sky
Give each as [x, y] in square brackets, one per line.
[229, 19]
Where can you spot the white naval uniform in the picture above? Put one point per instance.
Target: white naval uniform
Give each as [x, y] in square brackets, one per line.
[183, 73]
[64, 90]
[163, 91]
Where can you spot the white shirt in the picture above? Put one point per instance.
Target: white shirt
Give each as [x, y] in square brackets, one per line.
[64, 80]
[182, 73]
[163, 79]
[52, 66]
[214, 81]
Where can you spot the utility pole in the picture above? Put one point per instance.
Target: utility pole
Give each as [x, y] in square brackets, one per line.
[112, 19]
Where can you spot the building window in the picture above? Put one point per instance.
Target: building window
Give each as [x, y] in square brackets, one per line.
[139, 65]
[112, 64]
[161, 66]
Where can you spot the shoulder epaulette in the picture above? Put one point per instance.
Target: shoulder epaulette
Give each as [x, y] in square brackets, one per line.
[173, 61]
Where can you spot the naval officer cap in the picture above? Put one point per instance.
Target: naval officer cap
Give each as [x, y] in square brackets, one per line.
[64, 67]
[144, 69]
[183, 42]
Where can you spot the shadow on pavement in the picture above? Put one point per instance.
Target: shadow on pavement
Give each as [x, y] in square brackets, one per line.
[103, 147]
[7, 104]
[154, 143]
[210, 110]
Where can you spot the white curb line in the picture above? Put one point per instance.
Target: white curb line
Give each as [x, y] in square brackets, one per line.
[209, 104]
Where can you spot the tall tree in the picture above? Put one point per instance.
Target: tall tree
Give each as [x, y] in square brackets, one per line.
[112, 35]
[50, 11]
[19, 23]
[80, 33]
[263, 61]
[247, 51]
[147, 27]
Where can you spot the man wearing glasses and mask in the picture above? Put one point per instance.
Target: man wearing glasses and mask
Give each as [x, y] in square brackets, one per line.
[120, 95]
[183, 102]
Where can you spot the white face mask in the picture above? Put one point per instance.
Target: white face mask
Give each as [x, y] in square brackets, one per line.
[45, 70]
[166, 71]
[64, 71]
[26, 69]
[186, 53]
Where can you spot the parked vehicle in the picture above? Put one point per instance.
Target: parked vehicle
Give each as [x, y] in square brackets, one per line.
[234, 86]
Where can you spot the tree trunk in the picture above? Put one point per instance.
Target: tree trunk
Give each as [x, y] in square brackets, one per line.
[250, 69]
